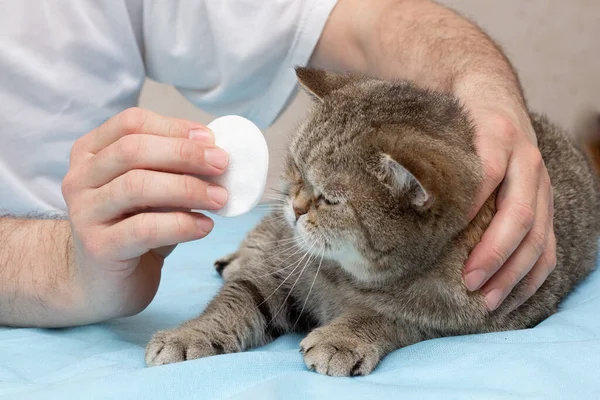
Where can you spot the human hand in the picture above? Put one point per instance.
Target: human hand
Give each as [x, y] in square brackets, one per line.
[129, 191]
[520, 240]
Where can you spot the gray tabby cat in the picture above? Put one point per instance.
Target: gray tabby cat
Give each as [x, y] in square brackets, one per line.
[367, 249]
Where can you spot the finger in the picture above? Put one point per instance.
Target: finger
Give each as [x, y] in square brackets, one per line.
[141, 233]
[141, 190]
[539, 273]
[516, 205]
[542, 268]
[527, 254]
[164, 251]
[136, 121]
[154, 153]
[494, 153]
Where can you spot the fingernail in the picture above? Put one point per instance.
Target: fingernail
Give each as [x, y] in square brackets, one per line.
[474, 279]
[205, 225]
[492, 299]
[217, 194]
[216, 157]
[202, 134]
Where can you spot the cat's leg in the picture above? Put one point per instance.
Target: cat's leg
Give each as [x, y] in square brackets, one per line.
[270, 238]
[238, 318]
[354, 343]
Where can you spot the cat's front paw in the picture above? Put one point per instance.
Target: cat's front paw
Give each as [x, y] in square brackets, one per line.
[332, 354]
[224, 262]
[180, 344]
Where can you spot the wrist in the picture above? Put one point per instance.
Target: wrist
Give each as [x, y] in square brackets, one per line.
[64, 293]
[488, 96]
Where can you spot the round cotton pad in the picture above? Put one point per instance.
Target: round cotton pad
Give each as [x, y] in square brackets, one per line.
[246, 174]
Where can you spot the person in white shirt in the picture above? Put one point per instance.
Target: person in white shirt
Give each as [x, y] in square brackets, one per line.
[70, 76]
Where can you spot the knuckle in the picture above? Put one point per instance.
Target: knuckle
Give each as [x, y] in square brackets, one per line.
[524, 214]
[535, 157]
[182, 227]
[189, 153]
[551, 260]
[494, 172]
[529, 288]
[513, 276]
[68, 185]
[129, 149]
[145, 229]
[132, 120]
[132, 185]
[538, 241]
[498, 256]
[191, 188]
[92, 245]
[507, 127]
[175, 129]
[77, 148]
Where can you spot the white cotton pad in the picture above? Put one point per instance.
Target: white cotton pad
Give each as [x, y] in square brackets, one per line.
[246, 174]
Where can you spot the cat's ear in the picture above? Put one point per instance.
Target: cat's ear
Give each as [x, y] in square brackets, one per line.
[400, 180]
[319, 83]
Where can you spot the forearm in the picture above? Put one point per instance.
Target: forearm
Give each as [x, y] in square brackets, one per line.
[424, 42]
[35, 272]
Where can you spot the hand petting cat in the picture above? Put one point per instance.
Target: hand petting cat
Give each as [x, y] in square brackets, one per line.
[520, 240]
[429, 44]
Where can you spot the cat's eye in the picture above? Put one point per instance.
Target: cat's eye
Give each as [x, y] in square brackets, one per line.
[326, 200]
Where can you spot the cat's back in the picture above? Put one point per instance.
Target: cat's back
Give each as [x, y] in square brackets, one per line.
[576, 201]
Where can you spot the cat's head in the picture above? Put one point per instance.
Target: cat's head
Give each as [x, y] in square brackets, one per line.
[382, 174]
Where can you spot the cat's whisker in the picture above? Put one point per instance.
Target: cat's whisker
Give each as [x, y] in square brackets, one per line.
[279, 270]
[309, 290]
[288, 240]
[295, 245]
[297, 264]
[282, 249]
[278, 202]
[271, 206]
[280, 242]
[274, 202]
[277, 191]
[277, 218]
[274, 198]
[275, 194]
[294, 285]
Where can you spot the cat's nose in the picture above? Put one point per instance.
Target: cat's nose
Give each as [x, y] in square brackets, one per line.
[298, 212]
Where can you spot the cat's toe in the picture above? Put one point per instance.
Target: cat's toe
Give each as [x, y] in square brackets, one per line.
[220, 266]
[222, 263]
[178, 345]
[335, 356]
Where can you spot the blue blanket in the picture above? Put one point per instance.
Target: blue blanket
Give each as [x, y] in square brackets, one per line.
[559, 359]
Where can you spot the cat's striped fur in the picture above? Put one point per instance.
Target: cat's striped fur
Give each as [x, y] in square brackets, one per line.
[366, 247]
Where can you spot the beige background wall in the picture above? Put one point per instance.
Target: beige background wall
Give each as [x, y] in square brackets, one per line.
[554, 45]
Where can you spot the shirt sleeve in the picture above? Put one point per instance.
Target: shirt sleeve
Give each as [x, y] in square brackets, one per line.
[232, 56]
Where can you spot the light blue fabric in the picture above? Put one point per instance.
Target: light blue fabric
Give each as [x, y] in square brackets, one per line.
[560, 359]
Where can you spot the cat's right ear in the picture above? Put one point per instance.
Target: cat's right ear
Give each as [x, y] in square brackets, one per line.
[319, 83]
[400, 180]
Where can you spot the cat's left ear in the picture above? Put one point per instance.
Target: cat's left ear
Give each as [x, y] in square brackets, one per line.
[400, 180]
[320, 83]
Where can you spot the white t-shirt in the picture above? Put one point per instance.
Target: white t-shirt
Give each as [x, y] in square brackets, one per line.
[68, 65]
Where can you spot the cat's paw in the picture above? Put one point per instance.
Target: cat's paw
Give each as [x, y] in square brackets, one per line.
[224, 262]
[181, 344]
[332, 354]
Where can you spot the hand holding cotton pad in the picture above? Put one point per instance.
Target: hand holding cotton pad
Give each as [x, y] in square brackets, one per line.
[246, 176]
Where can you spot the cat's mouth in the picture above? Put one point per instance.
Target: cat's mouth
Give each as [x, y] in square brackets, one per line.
[308, 235]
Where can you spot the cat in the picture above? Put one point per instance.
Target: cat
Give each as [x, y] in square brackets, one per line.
[366, 248]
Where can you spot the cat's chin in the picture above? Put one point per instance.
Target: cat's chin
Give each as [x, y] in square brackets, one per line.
[309, 241]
